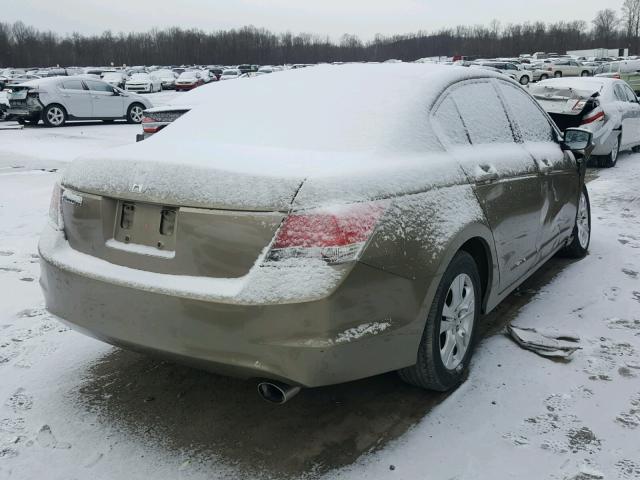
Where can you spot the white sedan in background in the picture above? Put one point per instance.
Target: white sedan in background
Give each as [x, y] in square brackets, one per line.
[143, 83]
[605, 106]
[167, 78]
[230, 74]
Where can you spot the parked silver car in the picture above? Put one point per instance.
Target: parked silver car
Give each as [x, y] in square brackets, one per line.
[56, 100]
[605, 106]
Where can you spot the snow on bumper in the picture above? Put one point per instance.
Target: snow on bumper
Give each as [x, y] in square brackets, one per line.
[364, 325]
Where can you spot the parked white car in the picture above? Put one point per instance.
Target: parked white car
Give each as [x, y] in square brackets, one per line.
[167, 78]
[115, 79]
[605, 106]
[143, 83]
[58, 99]
[230, 74]
[515, 71]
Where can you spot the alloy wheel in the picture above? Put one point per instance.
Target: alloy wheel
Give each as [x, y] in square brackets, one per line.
[136, 114]
[55, 116]
[614, 152]
[584, 229]
[456, 323]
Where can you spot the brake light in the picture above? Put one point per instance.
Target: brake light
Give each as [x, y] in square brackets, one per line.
[146, 128]
[616, 75]
[334, 236]
[595, 116]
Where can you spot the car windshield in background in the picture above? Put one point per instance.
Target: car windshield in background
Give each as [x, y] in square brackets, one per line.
[188, 76]
[140, 77]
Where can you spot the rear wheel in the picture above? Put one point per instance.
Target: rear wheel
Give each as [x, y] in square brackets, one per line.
[544, 76]
[134, 113]
[557, 74]
[449, 334]
[54, 116]
[584, 74]
[581, 236]
[610, 160]
[524, 80]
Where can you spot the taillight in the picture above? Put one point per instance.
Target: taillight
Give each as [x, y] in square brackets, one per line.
[616, 75]
[55, 207]
[550, 69]
[332, 235]
[147, 128]
[595, 116]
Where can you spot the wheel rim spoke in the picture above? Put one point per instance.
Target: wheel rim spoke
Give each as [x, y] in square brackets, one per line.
[456, 321]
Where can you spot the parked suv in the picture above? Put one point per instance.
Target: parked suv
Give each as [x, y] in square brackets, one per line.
[564, 68]
[358, 235]
[56, 100]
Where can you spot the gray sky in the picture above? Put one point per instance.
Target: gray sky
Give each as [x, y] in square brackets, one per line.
[332, 17]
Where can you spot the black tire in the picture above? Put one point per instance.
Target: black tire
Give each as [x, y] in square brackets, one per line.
[585, 73]
[557, 74]
[579, 246]
[430, 371]
[609, 161]
[544, 76]
[524, 80]
[132, 113]
[54, 115]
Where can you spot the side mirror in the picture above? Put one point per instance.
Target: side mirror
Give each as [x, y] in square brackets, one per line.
[577, 140]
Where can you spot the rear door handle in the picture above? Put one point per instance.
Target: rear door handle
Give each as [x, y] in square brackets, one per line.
[544, 166]
[486, 173]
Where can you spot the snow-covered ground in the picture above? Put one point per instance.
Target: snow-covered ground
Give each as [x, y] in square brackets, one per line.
[72, 407]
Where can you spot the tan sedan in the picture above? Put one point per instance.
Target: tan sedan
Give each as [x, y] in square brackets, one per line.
[358, 221]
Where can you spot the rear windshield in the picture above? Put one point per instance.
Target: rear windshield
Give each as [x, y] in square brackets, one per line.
[230, 72]
[551, 92]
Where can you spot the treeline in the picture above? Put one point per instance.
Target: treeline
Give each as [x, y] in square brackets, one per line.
[25, 46]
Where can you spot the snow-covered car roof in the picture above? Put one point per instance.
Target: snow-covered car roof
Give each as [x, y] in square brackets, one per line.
[574, 86]
[324, 122]
[46, 81]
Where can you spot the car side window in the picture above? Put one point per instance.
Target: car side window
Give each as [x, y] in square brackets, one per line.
[450, 124]
[482, 113]
[532, 124]
[631, 96]
[72, 85]
[619, 93]
[99, 86]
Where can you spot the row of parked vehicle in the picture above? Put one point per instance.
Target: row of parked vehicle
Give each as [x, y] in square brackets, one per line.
[604, 104]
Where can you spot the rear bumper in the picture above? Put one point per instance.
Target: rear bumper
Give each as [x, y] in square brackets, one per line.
[309, 343]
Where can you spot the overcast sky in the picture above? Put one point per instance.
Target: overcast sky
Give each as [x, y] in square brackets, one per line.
[331, 17]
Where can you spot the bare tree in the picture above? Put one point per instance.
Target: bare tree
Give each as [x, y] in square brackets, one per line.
[631, 18]
[605, 25]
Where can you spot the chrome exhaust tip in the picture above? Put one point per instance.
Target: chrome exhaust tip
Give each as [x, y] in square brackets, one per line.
[277, 392]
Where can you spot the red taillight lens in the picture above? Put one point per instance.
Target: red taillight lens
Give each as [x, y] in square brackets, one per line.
[616, 75]
[593, 117]
[149, 125]
[335, 236]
